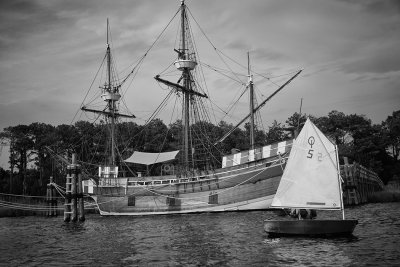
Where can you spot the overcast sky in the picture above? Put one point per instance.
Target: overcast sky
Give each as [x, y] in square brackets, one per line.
[349, 50]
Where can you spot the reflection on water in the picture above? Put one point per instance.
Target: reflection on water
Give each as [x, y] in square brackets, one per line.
[221, 239]
[304, 251]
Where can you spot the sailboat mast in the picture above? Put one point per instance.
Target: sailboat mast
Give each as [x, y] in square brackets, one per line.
[251, 90]
[339, 181]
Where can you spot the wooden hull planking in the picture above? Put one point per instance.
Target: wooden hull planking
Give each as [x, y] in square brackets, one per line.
[250, 188]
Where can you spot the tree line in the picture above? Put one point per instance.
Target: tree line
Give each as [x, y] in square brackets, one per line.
[37, 150]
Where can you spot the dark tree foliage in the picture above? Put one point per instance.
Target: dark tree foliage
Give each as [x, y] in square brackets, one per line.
[276, 133]
[4, 180]
[392, 130]
[33, 147]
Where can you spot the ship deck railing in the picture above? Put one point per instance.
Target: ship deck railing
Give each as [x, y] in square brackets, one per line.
[206, 176]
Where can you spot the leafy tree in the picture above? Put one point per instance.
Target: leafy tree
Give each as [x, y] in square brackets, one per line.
[20, 145]
[295, 123]
[43, 136]
[276, 133]
[392, 127]
[236, 140]
[4, 181]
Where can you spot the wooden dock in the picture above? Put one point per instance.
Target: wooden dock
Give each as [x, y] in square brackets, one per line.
[359, 183]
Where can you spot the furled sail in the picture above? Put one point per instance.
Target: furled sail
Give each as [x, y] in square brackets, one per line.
[311, 178]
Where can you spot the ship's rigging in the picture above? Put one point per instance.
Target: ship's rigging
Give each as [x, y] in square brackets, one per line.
[191, 90]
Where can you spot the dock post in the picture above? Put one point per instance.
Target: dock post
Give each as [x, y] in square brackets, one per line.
[74, 193]
[74, 204]
[67, 205]
[81, 204]
[54, 198]
[48, 199]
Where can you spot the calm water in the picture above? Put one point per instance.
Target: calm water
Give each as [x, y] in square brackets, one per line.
[221, 239]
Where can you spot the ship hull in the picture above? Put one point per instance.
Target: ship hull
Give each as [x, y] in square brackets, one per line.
[244, 187]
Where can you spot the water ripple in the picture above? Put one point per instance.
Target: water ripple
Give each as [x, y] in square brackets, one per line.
[222, 239]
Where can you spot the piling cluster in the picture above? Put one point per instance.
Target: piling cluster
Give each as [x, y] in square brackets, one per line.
[74, 205]
[51, 199]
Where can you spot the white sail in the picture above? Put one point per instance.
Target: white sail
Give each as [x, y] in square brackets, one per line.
[311, 178]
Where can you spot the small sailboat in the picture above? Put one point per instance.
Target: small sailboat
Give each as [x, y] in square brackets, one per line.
[311, 180]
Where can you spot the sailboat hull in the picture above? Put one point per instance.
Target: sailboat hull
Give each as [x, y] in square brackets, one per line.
[309, 227]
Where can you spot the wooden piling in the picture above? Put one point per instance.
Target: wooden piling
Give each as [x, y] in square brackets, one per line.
[67, 205]
[81, 205]
[54, 198]
[74, 204]
[48, 199]
[51, 199]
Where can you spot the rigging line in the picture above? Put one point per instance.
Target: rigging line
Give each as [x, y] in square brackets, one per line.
[17, 204]
[135, 70]
[89, 89]
[113, 63]
[198, 72]
[24, 207]
[155, 113]
[220, 72]
[159, 108]
[201, 123]
[206, 86]
[276, 76]
[269, 79]
[169, 66]
[234, 104]
[23, 196]
[150, 119]
[215, 48]
[225, 71]
[166, 134]
[161, 146]
[259, 120]
[77, 143]
[155, 41]
[59, 186]
[206, 146]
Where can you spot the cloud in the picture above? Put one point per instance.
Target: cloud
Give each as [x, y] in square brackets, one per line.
[51, 50]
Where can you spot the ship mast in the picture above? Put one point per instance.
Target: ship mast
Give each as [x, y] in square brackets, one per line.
[110, 94]
[111, 91]
[186, 84]
[251, 91]
[185, 63]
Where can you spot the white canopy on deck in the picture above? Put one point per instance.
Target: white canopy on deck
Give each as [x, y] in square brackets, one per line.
[151, 158]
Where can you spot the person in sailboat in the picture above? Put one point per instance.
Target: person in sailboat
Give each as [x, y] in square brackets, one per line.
[303, 214]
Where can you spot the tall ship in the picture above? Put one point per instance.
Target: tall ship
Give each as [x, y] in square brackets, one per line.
[191, 175]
